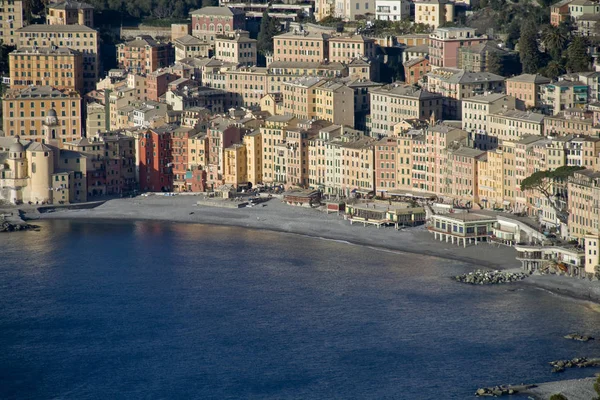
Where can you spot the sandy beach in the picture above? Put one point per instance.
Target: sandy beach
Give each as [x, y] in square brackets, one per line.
[277, 216]
[573, 389]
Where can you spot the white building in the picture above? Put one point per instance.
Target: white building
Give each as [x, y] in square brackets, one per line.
[348, 10]
[392, 10]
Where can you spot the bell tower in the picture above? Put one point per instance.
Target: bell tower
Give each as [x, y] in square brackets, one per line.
[51, 128]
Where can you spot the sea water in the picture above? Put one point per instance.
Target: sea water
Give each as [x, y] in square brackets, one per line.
[149, 310]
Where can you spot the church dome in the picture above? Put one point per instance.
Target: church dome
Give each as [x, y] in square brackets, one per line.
[52, 112]
[16, 147]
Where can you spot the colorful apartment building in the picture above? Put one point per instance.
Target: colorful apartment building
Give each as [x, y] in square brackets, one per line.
[144, 55]
[76, 37]
[444, 44]
[59, 67]
[11, 15]
[25, 113]
[208, 22]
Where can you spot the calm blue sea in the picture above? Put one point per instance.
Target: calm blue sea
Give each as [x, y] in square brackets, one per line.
[142, 310]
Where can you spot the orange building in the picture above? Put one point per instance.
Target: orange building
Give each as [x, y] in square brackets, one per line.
[559, 12]
[25, 112]
[344, 49]
[301, 47]
[59, 67]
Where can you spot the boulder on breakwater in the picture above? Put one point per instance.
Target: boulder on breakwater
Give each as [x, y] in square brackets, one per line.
[6, 226]
[578, 337]
[501, 390]
[582, 362]
[480, 277]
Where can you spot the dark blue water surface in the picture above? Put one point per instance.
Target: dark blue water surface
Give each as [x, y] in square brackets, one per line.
[141, 310]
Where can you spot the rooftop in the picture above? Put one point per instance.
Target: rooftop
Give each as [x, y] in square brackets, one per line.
[454, 75]
[401, 89]
[56, 28]
[466, 217]
[522, 115]
[414, 61]
[70, 5]
[52, 50]
[189, 40]
[530, 78]
[223, 11]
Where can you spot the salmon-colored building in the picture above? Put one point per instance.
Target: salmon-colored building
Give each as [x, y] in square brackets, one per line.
[445, 42]
[155, 158]
[559, 12]
[415, 69]
[157, 84]
[144, 55]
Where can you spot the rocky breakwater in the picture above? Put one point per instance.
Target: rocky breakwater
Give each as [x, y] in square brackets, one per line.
[578, 337]
[502, 390]
[6, 226]
[583, 362]
[480, 277]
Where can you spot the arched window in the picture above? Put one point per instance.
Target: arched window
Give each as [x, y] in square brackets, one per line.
[33, 168]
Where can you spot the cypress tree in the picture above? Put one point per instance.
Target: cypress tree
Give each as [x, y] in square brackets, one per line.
[529, 52]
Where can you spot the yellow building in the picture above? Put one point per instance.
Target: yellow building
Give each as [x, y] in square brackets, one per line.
[358, 166]
[515, 124]
[235, 170]
[236, 47]
[433, 12]
[584, 203]
[25, 112]
[70, 13]
[273, 134]
[344, 49]
[190, 46]
[299, 97]
[197, 150]
[391, 104]
[254, 152]
[95, 121]
[76, 37]
[59, 67]
[509, 174]
[11, 15]
[334, 103]
[490, 179]
[527, 88]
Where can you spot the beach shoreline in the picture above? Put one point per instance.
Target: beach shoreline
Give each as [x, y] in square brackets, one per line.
[279, 217]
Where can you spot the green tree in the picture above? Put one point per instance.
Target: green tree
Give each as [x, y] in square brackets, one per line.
[555, 41]
[529, 52]
[495, 65]
[269, 27]
[546, 182]
[554, 70]
[578, 59]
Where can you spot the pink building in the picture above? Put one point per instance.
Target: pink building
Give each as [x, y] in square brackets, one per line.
[445, 42]
[385, 165]
[208, 22]
[463, 175]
